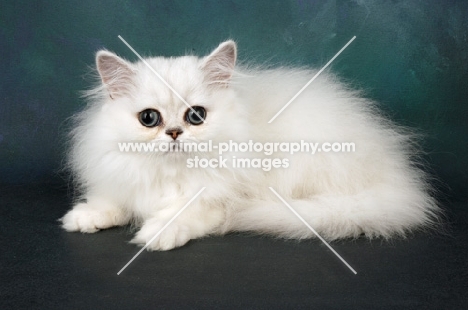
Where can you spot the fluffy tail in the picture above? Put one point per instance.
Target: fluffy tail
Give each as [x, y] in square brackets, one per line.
[379, 212]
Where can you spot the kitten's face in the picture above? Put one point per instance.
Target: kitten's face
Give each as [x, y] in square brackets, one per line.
[142, 108]
[159, 114]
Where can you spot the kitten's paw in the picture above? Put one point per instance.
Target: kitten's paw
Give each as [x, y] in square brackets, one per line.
[171, 237]
[84, 218]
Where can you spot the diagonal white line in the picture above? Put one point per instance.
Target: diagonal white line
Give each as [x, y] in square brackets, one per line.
[311, 80]
[313, 230]
[161, 78]
[162, 229]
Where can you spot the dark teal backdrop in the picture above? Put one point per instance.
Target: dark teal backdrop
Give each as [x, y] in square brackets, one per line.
[411, 56]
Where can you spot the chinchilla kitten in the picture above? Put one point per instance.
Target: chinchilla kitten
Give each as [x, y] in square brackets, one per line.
[377, 190]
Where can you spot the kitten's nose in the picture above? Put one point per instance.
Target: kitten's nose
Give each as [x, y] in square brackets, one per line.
[174, 132]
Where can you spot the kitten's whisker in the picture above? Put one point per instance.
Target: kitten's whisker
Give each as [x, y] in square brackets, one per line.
[161, 78]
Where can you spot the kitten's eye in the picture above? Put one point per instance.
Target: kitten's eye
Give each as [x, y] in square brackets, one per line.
[149, 118]
[193, 118]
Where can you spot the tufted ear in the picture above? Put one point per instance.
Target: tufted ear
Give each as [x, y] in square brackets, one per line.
[219, 65]
[116, 73]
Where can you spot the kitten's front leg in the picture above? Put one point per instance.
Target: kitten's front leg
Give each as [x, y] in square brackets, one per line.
[93, 215]
[192, 223]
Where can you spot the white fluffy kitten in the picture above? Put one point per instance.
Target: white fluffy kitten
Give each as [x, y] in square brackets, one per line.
[376, 190]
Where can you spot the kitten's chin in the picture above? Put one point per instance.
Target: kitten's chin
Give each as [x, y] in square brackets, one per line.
[175, 155]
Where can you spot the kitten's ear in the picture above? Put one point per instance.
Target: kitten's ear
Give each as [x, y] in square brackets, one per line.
[219, 65]
[116, 73]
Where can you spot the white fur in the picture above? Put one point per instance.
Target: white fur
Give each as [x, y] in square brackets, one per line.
[376, 191]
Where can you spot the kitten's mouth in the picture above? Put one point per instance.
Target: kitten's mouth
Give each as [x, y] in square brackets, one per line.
[176, 148]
